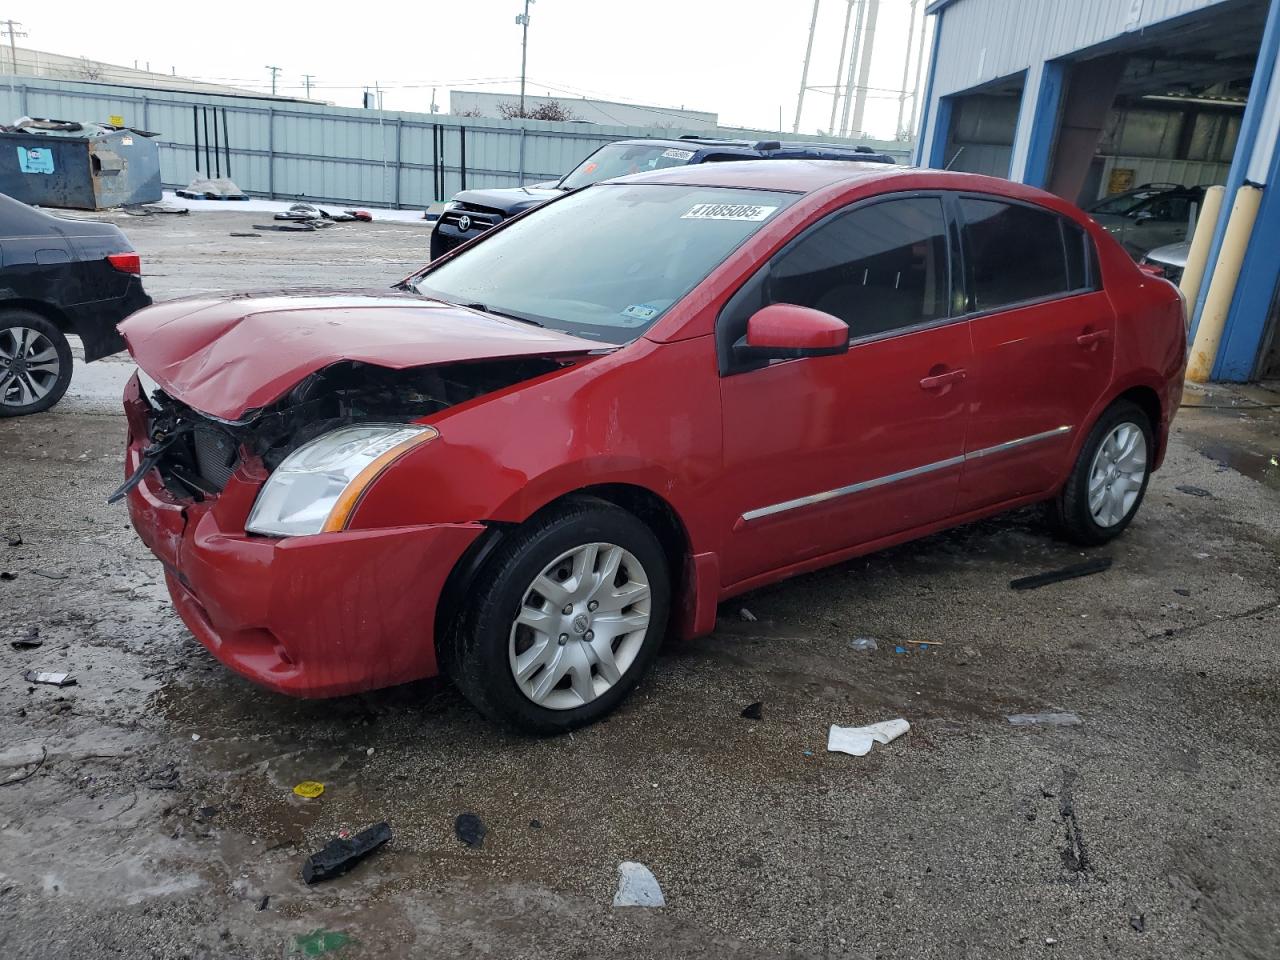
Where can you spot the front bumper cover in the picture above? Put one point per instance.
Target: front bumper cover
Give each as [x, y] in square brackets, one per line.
[315, 616]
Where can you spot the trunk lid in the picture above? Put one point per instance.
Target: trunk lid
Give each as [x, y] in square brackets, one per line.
[228, 355]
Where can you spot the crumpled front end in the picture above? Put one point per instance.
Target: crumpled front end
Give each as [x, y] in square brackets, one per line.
[312, 616]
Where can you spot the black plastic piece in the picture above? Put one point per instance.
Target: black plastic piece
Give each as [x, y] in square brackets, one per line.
[1088, 568]
[341, 855]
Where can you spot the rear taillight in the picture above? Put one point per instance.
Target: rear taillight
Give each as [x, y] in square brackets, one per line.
[126, 263]
[1151, 269]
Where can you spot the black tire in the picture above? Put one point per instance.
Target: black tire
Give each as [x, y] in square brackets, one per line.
[10, 405]
[1071, 515]
[475, 653]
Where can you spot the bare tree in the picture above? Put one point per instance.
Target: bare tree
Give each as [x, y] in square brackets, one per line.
[470, 112]
[551, 110]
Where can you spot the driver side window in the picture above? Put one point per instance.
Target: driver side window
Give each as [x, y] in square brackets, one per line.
[879, 268]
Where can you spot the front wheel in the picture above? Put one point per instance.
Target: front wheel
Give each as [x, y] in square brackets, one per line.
[1110, 477]
[35, 363]
[564, 619]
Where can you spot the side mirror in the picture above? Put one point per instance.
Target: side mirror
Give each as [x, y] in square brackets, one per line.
[784, 331]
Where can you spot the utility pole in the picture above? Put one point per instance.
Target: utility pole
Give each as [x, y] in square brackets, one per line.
[864, 71]
[306, 82]
[274, 72]
[12, 31]
[804, 74]
[522, 20]
[906, 68]
[835, 91]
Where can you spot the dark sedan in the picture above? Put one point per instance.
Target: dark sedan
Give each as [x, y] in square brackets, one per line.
[57, 277]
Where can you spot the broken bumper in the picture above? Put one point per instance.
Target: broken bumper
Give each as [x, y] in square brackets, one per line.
[315, 616]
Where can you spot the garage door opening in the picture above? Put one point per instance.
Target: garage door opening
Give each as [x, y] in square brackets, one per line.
[1149, 122]
[983, 123]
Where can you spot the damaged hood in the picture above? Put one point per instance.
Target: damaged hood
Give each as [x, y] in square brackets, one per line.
[227, 355]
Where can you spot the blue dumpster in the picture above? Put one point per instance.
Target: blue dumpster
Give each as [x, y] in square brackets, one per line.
[82, 166]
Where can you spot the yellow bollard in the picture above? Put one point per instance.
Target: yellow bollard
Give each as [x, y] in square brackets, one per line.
[1226, 273]
[1201, 241]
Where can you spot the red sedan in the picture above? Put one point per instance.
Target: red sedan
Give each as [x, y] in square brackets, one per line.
[584, 430]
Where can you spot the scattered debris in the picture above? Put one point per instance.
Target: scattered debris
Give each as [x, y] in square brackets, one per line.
[1193, 491]
[296, 227]
[309, 789]
[1088, 568]
[1139, 922]
[202, 188]
[151, 209]
[637, 887]
[6, 575]
[899, 648]
[747, 615]
[1075, 857]
[867, 644]
[362, 215]
[1182, 591]
[53, 679]
[754, 711]
[264, 903]
[50, 574]
[28, 641]
[319, 942]
[340, 855]
[535, 824]
[470, 829]
[858, 740]
[15, 540]
[195, 737]
[242, 233]
[1048, 719]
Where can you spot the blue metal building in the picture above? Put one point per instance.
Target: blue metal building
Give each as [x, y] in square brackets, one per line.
[1090, 97]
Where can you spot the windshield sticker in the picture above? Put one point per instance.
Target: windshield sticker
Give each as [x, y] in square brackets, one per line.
[640, 312]
[675, 154]
[728, 211]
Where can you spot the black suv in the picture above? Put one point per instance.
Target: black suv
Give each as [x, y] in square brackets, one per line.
[474, 211]
[58, 276]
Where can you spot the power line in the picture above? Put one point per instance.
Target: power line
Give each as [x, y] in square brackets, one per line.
[306, 82]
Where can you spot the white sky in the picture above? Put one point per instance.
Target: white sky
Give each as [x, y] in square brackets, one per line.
[739, 59]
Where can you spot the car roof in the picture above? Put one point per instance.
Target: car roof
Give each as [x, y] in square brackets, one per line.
[793, 176]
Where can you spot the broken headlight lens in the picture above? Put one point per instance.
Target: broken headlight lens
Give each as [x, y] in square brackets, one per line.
[315, 488]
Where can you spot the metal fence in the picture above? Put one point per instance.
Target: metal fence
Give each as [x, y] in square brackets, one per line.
[287, 149]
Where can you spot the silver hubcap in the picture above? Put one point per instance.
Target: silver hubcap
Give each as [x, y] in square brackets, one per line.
[29, 366]
[1116, 475]
[580, 627]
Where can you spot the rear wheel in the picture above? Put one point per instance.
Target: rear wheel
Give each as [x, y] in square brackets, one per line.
[35, 363]
[1110, 477]
[563, 620]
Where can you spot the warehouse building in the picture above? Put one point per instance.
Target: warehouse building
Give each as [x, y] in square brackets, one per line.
[1090, 98]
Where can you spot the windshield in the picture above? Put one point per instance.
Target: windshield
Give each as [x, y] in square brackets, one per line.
[605, 263]
[621, 159]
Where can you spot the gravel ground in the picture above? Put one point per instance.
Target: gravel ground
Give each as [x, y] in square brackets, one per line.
[154, 815]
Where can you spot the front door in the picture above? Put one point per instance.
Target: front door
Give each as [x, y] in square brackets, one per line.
[1043, 341]
[828, 453]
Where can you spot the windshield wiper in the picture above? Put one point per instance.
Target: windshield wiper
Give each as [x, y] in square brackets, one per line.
[498, 313]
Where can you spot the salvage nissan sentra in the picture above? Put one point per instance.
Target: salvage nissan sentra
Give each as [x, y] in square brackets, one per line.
[582, 431]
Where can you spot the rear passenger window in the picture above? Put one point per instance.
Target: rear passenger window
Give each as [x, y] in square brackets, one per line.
[878, 268]
[1017, 253]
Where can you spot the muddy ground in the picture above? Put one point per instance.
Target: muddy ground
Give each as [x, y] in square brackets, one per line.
[147, 811]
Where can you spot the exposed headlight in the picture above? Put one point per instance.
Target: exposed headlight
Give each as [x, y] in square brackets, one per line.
[315, 488]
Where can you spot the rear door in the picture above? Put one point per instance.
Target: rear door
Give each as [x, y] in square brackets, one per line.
[827, 453]
[1043, 339]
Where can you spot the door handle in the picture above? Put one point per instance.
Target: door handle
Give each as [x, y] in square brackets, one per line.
[939, 380]
[1092, 337]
